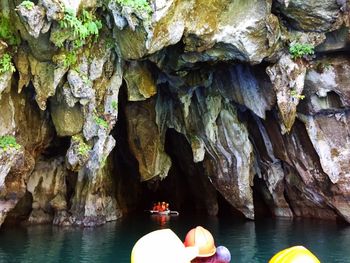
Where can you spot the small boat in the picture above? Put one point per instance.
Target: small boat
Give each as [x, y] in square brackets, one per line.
[164, 213]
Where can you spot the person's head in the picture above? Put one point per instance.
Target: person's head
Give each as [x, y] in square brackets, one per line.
[162, 246]
[294, 254]
[202, 239]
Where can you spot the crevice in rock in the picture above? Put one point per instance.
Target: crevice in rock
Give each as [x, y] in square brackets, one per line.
[262, 199]
[20, 212]
[125, 171]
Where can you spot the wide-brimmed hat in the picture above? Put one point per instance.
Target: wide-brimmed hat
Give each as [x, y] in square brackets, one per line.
[202, 239]
[162, 246]
[294, 254]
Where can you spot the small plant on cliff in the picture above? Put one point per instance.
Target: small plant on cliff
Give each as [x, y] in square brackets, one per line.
[114, 105]
[101, 122]
[69, 59]
[8, 31]
[28, 5]
[83, 27]
[83, 148]
[6, 64]
[295, 94]
[298, 50]
[137, 5]
[8, 142]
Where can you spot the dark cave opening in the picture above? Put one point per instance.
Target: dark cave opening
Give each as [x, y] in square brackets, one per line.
[186, 188]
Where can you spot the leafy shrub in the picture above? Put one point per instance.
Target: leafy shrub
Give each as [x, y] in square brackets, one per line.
[137, 5]
[8, 142]
[6, 64]
[84, 26]
[8, 31]
[298, 50]
[69, 59]
[28, 4]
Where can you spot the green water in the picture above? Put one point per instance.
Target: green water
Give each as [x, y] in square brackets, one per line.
[249, 242]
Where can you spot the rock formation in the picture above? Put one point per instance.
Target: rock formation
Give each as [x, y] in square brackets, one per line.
[253, 88]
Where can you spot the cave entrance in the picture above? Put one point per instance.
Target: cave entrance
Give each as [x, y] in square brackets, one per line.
[186, 188]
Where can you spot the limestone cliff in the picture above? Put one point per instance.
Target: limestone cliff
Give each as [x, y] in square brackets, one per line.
[244, 101]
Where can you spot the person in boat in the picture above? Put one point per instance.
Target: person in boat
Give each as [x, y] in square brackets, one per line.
[164, 207]
[160, 207]
[154, 207]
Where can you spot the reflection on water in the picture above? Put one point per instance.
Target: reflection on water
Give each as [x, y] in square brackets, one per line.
[249, 242]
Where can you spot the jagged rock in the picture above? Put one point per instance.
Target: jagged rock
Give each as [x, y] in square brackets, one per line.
[68, 120]
[287, 77]
[331, 74]
[213, 121]
[22, 66]
[81, 86]
[140, 82]
[320, 16]
[244, 85]
[3, 47]
[271, 171]
[7, 118]
[69, 99]
[33, 18]
[94, 201]
[334, 154]
[337, 40]
[145, 140]
[112, 93]
[219, 34]
[205, 28]
[44, 80]
[54, 9]
[5, 81]
[78, 153]
[48, 186]
[33, 133]
[230, 162]
[310, 191]
[14, 168]
[167, 30]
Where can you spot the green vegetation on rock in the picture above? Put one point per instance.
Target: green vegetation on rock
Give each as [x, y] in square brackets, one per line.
[28, 4]
[295, 94]
[6, 63]
[101, 122]
[83, 148]
[298, 50]
[82, 27]
[8, 142]
[8, 31]
[69, 59]
[114, 105]
[137, 5]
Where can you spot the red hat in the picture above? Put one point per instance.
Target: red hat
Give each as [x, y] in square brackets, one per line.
[202, 239]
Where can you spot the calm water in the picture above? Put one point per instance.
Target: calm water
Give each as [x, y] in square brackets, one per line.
[249, 242]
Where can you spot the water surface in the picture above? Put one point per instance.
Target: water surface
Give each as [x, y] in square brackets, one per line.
[249, 242]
